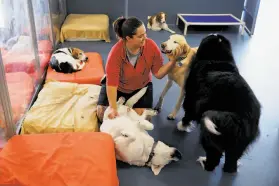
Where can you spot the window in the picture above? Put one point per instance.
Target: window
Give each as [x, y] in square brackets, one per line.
[2, 19]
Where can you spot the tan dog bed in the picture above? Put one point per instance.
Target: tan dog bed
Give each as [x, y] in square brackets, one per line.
[63, 107]
[85, 27]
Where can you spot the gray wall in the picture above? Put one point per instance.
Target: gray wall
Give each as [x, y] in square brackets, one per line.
[143, 8]
[109, 7]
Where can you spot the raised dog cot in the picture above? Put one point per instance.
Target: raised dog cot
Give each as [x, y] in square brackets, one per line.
[209, 19]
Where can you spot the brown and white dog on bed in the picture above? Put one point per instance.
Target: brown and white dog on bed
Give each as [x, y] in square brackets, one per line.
[158, 22]
[176, 44]
[68, 60]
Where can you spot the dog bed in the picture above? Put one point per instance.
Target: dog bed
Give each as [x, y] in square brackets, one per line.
[208, 19]
[92, 73]
[21, 89]
[63, 107]
[85, 27]
[59, 160]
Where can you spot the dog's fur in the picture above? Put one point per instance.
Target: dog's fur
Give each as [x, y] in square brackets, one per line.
[68, 60]
[175, 46]
[158, 22]
[221, 101]
[132, 142]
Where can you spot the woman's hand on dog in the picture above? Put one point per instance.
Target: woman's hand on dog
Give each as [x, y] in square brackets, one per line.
[177, 56]
[113, 113]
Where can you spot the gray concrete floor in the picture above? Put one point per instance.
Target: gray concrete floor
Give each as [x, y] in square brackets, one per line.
[256, 58]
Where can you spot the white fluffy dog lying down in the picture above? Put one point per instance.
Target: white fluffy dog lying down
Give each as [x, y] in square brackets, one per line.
[132, 142]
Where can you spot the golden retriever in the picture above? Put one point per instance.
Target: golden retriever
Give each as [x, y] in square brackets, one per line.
[176, 44]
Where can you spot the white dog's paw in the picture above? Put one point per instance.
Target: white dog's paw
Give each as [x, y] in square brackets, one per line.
[201, 160]
[121, 100]
[151, 112]
[189, 128]
[146, 125]
[171, 116]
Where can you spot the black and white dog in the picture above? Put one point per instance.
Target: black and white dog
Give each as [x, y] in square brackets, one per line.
[68, 60]
[222, 102]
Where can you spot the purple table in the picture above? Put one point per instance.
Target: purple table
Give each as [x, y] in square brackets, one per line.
[209, 19]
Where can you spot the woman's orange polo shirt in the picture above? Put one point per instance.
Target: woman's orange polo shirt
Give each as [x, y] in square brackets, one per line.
[121, 73]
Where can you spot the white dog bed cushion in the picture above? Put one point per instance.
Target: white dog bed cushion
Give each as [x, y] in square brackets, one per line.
[63, 107]
[82, 27]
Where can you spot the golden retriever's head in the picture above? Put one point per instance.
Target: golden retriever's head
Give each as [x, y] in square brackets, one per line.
[79, 54]
[161, 17]
[176, 46]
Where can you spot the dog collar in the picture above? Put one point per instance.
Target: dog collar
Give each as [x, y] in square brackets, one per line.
[179, 59]
[151, 155]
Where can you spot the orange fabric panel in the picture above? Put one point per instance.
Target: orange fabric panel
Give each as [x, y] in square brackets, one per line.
[24, 63]
[60, 159]
[21, 89]
[92, 73]
[45, 46]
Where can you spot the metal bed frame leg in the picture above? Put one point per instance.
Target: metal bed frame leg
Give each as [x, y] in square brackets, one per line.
[243, 29]
[185, 29]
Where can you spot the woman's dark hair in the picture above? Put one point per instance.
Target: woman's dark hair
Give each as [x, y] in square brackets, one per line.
[124, 27]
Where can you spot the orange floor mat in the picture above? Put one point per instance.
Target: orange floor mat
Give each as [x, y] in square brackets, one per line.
[92, 73]
[60, 159]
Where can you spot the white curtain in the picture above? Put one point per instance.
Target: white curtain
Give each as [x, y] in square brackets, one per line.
[2, 18]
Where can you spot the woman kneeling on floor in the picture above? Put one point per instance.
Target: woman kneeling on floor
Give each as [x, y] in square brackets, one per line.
[129, 66]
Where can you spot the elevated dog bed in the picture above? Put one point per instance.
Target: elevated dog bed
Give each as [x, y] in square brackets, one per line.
[92, 73]
[208, 19]
[85, 27]
[59, 160]
[63, 107]
[21, 89]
